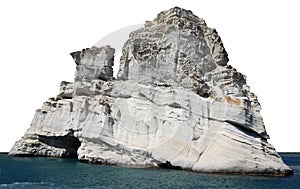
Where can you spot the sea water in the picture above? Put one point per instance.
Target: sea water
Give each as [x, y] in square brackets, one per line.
[45, 173]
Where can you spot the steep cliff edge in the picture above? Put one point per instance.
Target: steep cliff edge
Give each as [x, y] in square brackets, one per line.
[175, 103]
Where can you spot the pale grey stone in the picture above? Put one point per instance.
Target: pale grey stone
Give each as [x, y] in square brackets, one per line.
[94, 63]
[175, 103]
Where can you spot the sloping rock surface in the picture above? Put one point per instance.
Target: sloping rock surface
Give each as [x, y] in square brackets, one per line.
[175, 103]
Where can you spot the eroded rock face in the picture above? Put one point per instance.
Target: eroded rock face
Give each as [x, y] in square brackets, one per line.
[175, 103]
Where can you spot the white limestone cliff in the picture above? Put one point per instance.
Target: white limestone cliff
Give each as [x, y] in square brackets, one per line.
[175, 103]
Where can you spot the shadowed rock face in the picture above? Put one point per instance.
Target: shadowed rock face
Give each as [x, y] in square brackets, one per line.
[175, 103]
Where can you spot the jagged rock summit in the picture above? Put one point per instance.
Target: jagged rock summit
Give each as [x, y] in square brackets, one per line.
[175, 103]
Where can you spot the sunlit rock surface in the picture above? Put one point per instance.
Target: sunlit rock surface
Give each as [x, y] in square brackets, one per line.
[175, 103]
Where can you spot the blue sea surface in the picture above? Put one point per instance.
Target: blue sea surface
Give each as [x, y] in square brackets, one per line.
[45, 173]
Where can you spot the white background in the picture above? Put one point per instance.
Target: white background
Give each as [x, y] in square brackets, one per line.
[262, 39]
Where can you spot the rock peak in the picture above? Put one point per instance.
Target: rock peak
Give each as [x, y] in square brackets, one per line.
[177, 15]
[187, 21]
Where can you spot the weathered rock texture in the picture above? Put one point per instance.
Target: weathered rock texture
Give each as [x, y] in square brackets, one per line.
[174, 103]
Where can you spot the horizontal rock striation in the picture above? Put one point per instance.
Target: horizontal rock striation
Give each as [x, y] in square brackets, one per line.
[175, 103]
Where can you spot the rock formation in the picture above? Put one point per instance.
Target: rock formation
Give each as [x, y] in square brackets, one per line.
[175, 103]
